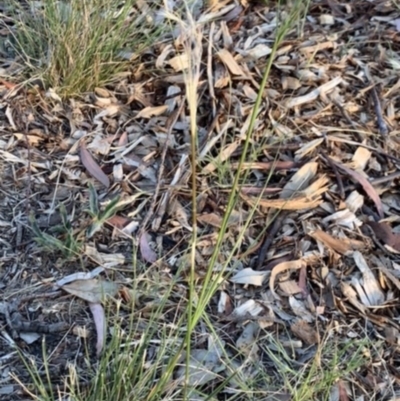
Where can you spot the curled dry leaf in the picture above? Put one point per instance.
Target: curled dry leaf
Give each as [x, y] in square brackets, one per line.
[281, 268]
[92, 167]
[80, 276]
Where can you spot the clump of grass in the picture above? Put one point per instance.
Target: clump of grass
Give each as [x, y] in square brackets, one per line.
[62, 238]
[79, 44]
[335, 359]
[142, 342]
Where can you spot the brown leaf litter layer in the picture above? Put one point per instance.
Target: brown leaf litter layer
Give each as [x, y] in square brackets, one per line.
[324, 155]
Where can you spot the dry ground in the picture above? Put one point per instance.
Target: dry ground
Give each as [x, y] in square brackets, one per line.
[302, 280]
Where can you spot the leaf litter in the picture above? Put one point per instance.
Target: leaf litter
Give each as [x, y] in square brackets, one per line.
[325, 157]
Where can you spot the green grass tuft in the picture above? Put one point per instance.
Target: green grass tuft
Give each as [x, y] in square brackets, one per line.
[77, 45]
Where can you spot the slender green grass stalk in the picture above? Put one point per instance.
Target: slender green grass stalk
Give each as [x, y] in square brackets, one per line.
[208, 290]
[194, 49]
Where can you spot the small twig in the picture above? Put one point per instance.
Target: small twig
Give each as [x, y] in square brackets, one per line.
[383, 129]
[362, 145]
[269, 238]
[171, 123]
[28, 187]
[52, 294]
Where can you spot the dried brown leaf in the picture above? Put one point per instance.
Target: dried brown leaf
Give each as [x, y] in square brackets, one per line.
[180, 62]
[308, 148]
[250, 307]
[276, 165]
[300, 309]
[227, 58]
[118, 221]
[283, 267]
[384, 233]
[305, 332]
[92, 167]
[210, 218]
[342, 391]
[334, 244]
[368, 188]
[150, 111]
[360, 158]
[225, 153]
[289, 287]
